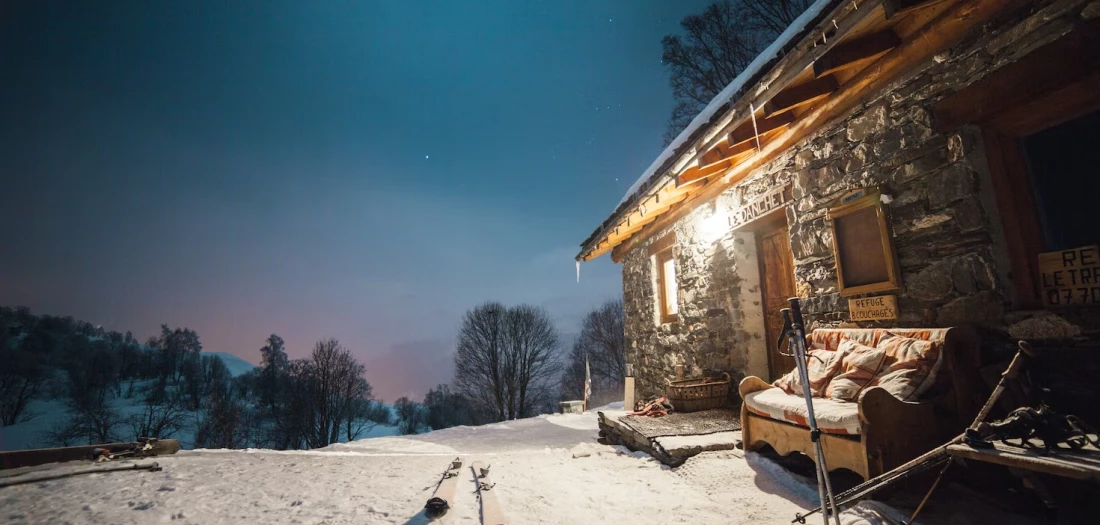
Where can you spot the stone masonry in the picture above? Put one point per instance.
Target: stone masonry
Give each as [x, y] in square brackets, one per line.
[945, 223]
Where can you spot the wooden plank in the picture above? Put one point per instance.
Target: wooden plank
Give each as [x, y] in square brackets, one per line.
[701, 172]
[1066, 60]
[1013, 191]
[773, 253]
[852, 53]
[724, 150]
[745, 132]
[1084, 466]
[625, 246]
[801, 95]
[661, 244]
[27, 458]
[1061, 105]
[685, 187]
[946, 29]
[896, 8]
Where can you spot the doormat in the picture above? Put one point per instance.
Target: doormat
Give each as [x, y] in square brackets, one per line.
[685, 423]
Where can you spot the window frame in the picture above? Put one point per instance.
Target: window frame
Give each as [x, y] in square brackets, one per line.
[663, 257]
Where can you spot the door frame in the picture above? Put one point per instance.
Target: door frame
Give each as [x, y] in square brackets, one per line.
[767, 224]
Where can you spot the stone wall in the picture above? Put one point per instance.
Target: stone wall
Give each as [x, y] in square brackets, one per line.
[945, 223]
[712, 332]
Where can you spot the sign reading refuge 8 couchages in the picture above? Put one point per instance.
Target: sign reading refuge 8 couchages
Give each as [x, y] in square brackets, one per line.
[1070, 277]
[876, 308]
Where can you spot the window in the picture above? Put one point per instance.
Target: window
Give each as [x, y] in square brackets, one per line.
[664, 270]
[666, 286]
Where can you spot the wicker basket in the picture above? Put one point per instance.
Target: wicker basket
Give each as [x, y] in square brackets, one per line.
[693, 395]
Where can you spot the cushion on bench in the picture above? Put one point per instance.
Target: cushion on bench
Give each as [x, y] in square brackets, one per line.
[833, 417]
[821, 366]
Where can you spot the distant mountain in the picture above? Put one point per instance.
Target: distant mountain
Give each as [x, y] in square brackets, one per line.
[236, 365]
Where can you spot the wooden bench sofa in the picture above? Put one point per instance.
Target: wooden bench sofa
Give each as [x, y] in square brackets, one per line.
[879, 432]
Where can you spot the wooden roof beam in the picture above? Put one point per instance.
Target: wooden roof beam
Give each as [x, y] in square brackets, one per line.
[738, 154]
[803, 94]
[1048, 68]
[745, 132]
[848, 54]
[896, 8]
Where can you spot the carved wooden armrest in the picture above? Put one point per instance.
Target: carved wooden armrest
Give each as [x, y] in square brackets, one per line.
[752, 384]
[879, 407]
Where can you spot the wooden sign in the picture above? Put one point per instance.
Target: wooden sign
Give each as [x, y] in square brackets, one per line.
[1070, 277]
[873, 308]
[760, 206]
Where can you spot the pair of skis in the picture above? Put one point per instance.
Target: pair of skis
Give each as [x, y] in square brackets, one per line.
[444, 496]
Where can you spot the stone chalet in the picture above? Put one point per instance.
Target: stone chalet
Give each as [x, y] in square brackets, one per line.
[899, 163]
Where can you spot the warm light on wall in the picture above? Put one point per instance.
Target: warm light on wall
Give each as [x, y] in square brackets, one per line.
[713, 227]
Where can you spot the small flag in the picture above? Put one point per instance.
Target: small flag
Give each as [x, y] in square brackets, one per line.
[587, 382]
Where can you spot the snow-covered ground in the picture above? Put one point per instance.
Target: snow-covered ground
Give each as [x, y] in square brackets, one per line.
[547, 469]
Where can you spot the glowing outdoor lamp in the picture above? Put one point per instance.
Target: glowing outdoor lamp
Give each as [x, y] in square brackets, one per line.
[713, 227]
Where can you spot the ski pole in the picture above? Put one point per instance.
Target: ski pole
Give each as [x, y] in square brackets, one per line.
[797, 340]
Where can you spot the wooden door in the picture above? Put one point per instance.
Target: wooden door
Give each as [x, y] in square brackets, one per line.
[777, 285]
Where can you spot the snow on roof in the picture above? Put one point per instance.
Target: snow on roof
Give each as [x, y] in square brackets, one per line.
[730, 92]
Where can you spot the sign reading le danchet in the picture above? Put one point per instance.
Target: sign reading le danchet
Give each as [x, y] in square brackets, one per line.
[1070, 277]
[761, 205]
[873, 308]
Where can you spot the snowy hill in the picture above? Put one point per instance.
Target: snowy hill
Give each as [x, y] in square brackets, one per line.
[236, 365]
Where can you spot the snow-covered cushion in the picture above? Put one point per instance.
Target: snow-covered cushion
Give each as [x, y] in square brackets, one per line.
[833, 417]
[909, 366]
[859, 367]
[821, 365]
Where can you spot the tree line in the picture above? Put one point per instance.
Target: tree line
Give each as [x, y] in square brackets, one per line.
[283, 404]
[509, 364]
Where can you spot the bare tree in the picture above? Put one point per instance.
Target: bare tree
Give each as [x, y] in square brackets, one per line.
[90, 419]
[159, 418]
[506, 359]
[411, 416]
[603, 342]
[365, 415]
[774, 16]
[446, 408]
[22, 377]
[716, 46]
[336, 384]
[479, 358]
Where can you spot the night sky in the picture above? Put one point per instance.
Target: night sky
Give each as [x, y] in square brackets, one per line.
[360, 170]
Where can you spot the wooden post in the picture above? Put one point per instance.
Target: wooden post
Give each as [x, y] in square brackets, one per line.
[628, 394]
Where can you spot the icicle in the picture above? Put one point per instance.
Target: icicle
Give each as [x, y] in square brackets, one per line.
[754, 130]
[578, 271]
